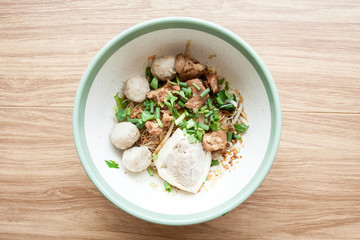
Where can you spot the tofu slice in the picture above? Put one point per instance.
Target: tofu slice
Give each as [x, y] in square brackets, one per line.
[182, 164]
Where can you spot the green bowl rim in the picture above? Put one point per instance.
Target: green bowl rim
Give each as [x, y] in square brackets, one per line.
[89, 76]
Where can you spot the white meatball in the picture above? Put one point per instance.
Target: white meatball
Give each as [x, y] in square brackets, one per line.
[136, 88]
[136, 159]
[164, 68]
[124, 135]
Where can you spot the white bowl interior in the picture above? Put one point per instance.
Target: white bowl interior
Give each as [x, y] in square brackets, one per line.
[148, 192]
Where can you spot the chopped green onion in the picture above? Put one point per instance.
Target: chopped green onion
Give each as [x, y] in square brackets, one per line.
[239, 128]
[186, 113]
[190, 124]
[157, 113]
[205, 111]
[167, 187]
[229, 136]
[173, 83]
[222, 128]
[182, 84]
[209, 103]
[214, 163]
[215, 126]
[227, 85]
[190, 130]
[128, 112]
[192, 138]
[150, 171]
[188, 92]
[181, 104]
[168, 105]
[154, 156]
[180, 119]
[177, 79]
[182, 94]
[172, 98]
[211, 118]
[209, 113]
[216, 117]
[175, 113]
[160, 123]
[196, 86]
[199, 134]
[237, 136]
[151, 107]
[146, 116]
[154, 83]
[182, 125]
[203, 108]
[203, 126]
[206, 91]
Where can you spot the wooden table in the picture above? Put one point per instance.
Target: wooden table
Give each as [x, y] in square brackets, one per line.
[312, 48]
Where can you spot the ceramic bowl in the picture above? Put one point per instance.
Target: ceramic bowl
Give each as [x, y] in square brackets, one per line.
[126, 55]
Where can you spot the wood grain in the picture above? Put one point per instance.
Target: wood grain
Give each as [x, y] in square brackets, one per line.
[312, 49]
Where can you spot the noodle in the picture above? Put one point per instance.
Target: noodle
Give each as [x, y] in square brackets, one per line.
[165, 138]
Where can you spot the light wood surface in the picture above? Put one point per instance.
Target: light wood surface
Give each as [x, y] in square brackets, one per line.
[312, 49]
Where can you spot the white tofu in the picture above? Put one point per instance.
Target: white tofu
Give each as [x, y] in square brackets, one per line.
[182, 164]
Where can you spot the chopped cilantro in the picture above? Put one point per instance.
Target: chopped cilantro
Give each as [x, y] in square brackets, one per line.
[239, 128]
[112, 164]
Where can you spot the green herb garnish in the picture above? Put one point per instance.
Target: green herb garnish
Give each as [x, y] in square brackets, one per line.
[157, 113]
[148, 72]
[239, 128]
[159, 122]
[180, 119]
[150, 171]
[167, 187]
[181, 104]
[196, 86]
[215, 126]
[154, 84]
[182, 84]
[140, 124]
[155, 156]
[221, 81]
[229, 136]
[146, 116]
[206, 91]
[151, 107]
[237, 136]
[214, 163]
[203, 126]
[112, 164]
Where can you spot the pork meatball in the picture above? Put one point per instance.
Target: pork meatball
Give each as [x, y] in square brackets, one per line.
[164, 68]
[136, 159]
[136, 88]
[124, 135]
